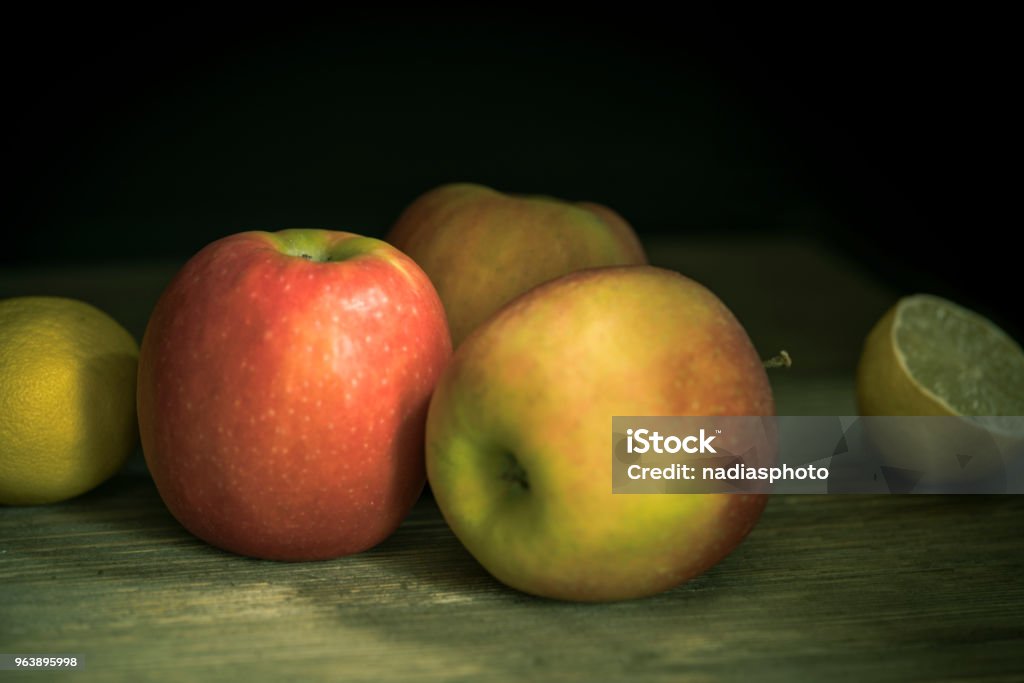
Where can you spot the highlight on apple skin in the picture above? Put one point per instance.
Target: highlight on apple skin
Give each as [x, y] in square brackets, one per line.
[283, 385]
[482, 248]
[519, 433]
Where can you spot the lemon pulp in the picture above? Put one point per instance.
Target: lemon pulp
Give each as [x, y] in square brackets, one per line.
[959, 357]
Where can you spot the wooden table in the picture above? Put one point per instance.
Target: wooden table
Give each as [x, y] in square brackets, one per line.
[836, 588]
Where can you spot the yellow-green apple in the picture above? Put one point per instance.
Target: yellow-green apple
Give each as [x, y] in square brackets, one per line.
[519, 433]
[482, 248]
[283, 385]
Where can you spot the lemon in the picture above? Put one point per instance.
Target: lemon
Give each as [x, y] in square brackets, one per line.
[929, 356]
[67, 398]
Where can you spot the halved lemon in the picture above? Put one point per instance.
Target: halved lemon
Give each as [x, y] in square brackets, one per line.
[930, 356]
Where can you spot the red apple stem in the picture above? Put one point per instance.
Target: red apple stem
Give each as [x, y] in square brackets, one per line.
[782, 360]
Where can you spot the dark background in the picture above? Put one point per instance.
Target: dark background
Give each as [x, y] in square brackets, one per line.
[883, 136]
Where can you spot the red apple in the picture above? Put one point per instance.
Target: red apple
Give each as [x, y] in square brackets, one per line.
[283, 385]
[482, 248]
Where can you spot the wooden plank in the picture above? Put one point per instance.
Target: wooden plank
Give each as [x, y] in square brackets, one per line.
[843, 587]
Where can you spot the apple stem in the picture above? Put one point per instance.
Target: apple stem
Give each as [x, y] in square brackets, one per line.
[782, 360]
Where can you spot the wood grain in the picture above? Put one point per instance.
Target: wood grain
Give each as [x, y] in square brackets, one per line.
[826, 587]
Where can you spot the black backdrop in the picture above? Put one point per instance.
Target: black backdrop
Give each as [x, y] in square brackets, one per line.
[886, 136]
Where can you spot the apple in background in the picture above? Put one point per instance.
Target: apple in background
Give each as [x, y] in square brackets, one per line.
[482, 248]
[519, 433]
[283, 385]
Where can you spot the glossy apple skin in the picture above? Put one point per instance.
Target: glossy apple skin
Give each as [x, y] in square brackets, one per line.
[540, 383]
[282, 399]
[482, 248]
